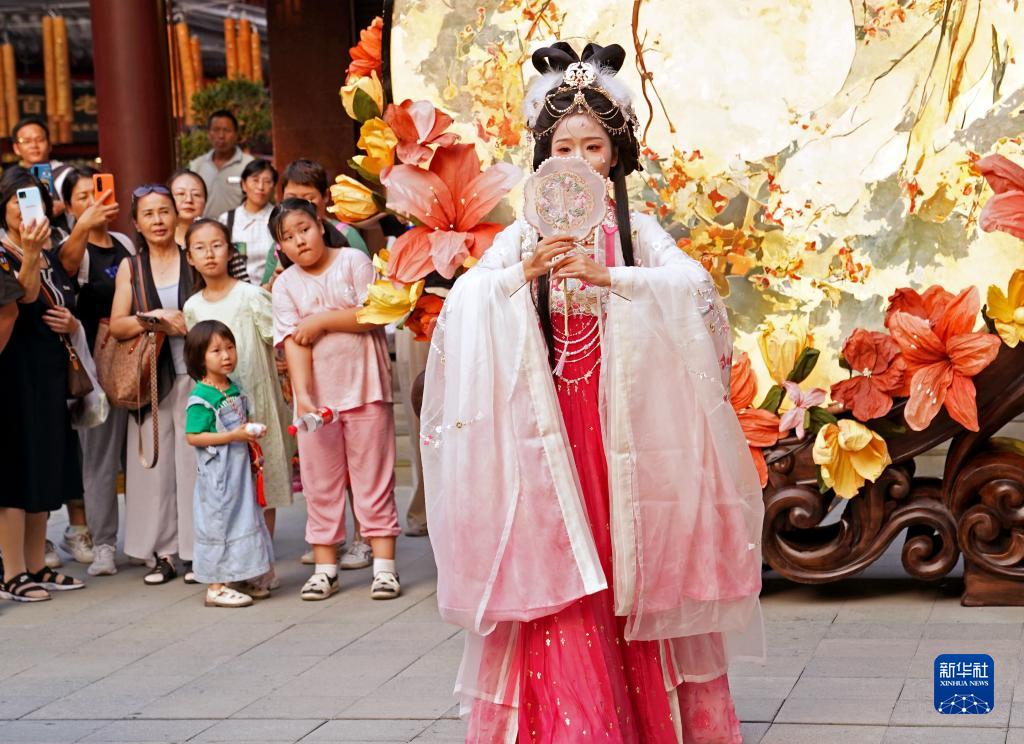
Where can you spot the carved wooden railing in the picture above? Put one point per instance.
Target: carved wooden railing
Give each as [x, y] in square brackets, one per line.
[976, 508]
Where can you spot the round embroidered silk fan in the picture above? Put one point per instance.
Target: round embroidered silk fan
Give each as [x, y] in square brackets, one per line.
[565, 196]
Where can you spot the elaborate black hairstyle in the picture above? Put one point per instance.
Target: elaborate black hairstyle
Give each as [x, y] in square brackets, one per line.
[583, 84]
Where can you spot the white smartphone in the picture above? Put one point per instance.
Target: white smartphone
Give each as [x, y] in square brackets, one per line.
[30, 202]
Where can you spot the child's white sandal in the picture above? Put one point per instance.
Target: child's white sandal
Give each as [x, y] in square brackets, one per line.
[226, 597]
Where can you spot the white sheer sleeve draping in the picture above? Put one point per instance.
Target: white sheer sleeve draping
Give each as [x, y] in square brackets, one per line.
[506, 515]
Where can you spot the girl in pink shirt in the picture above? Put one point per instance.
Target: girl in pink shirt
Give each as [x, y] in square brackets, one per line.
[336, 362]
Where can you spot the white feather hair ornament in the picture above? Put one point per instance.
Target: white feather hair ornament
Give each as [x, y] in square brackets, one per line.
[578, 75]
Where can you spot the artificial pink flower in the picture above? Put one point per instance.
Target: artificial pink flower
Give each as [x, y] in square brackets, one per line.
[794, 417]
[418, 124]
[1005, 210]
[449, 199]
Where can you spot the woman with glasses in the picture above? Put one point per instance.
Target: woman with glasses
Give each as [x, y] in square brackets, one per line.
[247, 224]
[189, 192]
[158, 523]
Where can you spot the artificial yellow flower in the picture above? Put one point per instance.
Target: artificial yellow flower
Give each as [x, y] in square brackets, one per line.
[1007, 311]
[781, 347]
[387, 303]
[380, 262]
[352, 200]
[379, 142]
[849, 453]
[369, 84]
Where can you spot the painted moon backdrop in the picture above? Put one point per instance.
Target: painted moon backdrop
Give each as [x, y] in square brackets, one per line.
[814, 155]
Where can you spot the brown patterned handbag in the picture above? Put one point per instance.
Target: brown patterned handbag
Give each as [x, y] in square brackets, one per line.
[127, 370]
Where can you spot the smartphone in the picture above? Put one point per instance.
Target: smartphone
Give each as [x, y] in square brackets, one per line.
[30, 202]
[44, 174]
[103, 182]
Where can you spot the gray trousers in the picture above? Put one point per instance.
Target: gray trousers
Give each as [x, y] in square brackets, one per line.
[158, 501]
[410, 360]
[102, 460]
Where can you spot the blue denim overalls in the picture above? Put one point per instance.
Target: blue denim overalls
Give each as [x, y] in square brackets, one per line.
[232, 541]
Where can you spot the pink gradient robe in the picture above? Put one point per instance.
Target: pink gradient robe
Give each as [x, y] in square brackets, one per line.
[516, 515]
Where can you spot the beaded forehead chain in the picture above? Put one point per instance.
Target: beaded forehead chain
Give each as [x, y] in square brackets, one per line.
[581, 77]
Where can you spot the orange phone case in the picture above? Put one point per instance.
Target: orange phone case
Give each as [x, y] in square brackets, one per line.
[102, 182]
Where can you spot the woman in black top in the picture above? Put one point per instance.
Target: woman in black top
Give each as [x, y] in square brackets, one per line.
[92, 254]
[38, 450]
[158, 519]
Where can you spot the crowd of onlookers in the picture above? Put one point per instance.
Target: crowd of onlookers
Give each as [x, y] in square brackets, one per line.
[241, 293]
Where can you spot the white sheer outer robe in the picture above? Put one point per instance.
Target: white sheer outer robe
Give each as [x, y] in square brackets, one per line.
[508, 524]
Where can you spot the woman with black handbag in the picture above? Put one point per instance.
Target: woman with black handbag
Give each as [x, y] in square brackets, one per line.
[38, 449]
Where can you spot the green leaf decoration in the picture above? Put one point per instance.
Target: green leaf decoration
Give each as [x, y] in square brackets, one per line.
[805, 364]
[821, 482]
[817, 418]
[887, 429]
[363, 173]
[773, 399]
[363, 106]
[844, 364]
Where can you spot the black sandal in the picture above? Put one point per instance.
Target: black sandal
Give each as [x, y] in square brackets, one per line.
[55, 582]
[162, 572]
[18, 588]
[190, 575]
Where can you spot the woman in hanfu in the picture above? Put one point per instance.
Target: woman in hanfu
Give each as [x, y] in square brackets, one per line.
[593, 507]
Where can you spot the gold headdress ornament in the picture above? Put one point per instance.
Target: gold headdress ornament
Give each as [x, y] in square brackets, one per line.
[564, 71]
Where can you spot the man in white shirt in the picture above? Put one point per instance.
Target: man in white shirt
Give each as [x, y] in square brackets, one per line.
[221, 167]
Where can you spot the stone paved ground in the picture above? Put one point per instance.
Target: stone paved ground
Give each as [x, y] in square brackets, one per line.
[122, 662]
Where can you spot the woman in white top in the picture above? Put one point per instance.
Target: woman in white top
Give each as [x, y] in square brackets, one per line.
[247, 223]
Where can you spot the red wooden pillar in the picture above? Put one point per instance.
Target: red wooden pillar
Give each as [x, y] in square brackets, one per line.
[309, 42]
[129, 42]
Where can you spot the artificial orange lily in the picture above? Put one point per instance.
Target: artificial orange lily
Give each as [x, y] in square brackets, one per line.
[417, 124]
[878, 370]
[1004, 211]
[1007, 311]
[366, 55]
[424, 317]
[760, 427]
[942, 354]
[449, 199]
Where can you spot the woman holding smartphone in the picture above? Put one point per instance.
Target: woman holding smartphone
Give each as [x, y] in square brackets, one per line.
[92, 253]
[38, 450]
[158, 523]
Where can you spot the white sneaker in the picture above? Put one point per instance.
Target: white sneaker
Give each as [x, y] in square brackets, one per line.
[385, 585]
[52, 558]
[356, 555]
[79, 544]
[103, 562]
[226, 597]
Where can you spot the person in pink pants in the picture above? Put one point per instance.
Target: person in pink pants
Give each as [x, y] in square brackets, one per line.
[336, 362]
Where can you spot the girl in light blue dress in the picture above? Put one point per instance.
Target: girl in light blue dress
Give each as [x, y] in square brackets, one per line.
[232, 544]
